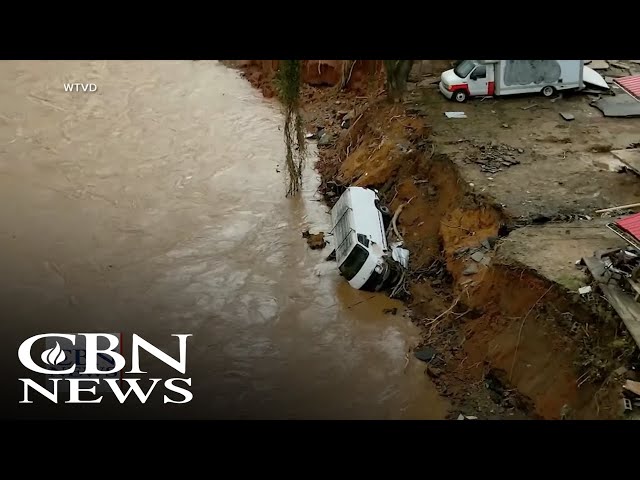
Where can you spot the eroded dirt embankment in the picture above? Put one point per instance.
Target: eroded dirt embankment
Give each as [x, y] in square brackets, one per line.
[508, 342]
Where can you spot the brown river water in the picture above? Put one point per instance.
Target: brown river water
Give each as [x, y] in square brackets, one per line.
[153, 206]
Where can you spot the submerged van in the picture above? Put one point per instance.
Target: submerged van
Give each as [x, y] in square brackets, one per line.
[361, 249]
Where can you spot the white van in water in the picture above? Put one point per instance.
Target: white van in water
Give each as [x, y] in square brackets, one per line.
[361, 248]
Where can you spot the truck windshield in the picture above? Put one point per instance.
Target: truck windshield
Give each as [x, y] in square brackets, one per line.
[464, 68]
[354, 262]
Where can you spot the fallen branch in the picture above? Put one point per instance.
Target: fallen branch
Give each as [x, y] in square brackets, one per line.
[357, 120]
[398, 286]
[436, 321]
[395, 218]
[515, 353]
[350, 72]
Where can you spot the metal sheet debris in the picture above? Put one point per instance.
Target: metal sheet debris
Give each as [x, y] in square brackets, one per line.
[630, 84]
[567, 116]
[622, 105]
[399, 254]
[631, 225]
[592, 78]
[584, 290]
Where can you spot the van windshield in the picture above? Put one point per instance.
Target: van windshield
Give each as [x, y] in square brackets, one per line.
[354, 262]
[464, 68]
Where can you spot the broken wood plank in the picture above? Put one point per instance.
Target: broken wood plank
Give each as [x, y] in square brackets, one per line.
[632, 386]
[621, 207]
[625, 306]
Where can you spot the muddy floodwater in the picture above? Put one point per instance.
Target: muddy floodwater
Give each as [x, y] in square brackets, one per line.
[154, 206]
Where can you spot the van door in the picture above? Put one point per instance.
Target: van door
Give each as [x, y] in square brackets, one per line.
[478, 84]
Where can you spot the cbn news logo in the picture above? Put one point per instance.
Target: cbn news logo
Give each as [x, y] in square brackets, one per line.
[80, 87]
[94, 362]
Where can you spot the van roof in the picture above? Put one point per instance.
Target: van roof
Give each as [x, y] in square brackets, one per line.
[365, 218]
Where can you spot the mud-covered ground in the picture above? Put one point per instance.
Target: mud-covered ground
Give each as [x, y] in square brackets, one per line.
[498, 206]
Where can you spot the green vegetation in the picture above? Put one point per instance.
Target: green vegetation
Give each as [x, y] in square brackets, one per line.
[397, 75]
[288, 83]
[289, 86]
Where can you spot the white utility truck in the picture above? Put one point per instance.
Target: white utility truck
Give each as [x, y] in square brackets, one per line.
[361, 249]
[507, 77]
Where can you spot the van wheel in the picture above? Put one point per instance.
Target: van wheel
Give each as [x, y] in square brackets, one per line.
[460, 96]
[548, 91]
[386, 216]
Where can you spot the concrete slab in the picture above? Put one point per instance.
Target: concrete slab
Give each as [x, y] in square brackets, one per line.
[630, 157]
[622, 105]
[599, 64]
[552, 249]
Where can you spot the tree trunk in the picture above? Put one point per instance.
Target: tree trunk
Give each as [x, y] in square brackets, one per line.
[397, 75]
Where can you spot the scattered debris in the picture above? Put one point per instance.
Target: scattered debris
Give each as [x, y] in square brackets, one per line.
[325, 140]
[426, 354]
[399, 254]
[584, 290]
[630, 157]
[467, 417]
[315, 241]
[433, 372]
[455, 114]
[505, 125]
[627, 404]
[620, 370]
[567, 116]
[620, 66]
[471, 269]
[477, 256]
[599, 64]
[494, 158]
[632, 386]
[391, 311]
[529, 106]
[559, 97]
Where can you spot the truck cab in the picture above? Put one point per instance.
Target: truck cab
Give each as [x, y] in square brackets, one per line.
[361, 249]
[468, 78]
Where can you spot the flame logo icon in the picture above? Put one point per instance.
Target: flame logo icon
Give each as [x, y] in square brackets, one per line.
[53, 356]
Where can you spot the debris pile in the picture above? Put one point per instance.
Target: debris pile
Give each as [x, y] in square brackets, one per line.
[315, 241]
[631, 399]
[479, 255]
[493, 158]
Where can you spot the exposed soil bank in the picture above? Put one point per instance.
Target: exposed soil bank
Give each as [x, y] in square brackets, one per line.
[510, 341]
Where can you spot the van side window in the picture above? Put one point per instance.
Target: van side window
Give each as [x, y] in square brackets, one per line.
[363, 240]
[480, 72]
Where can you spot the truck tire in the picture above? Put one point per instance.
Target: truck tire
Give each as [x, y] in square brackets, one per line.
[548, 91]
[386, 215]
[460, 96]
